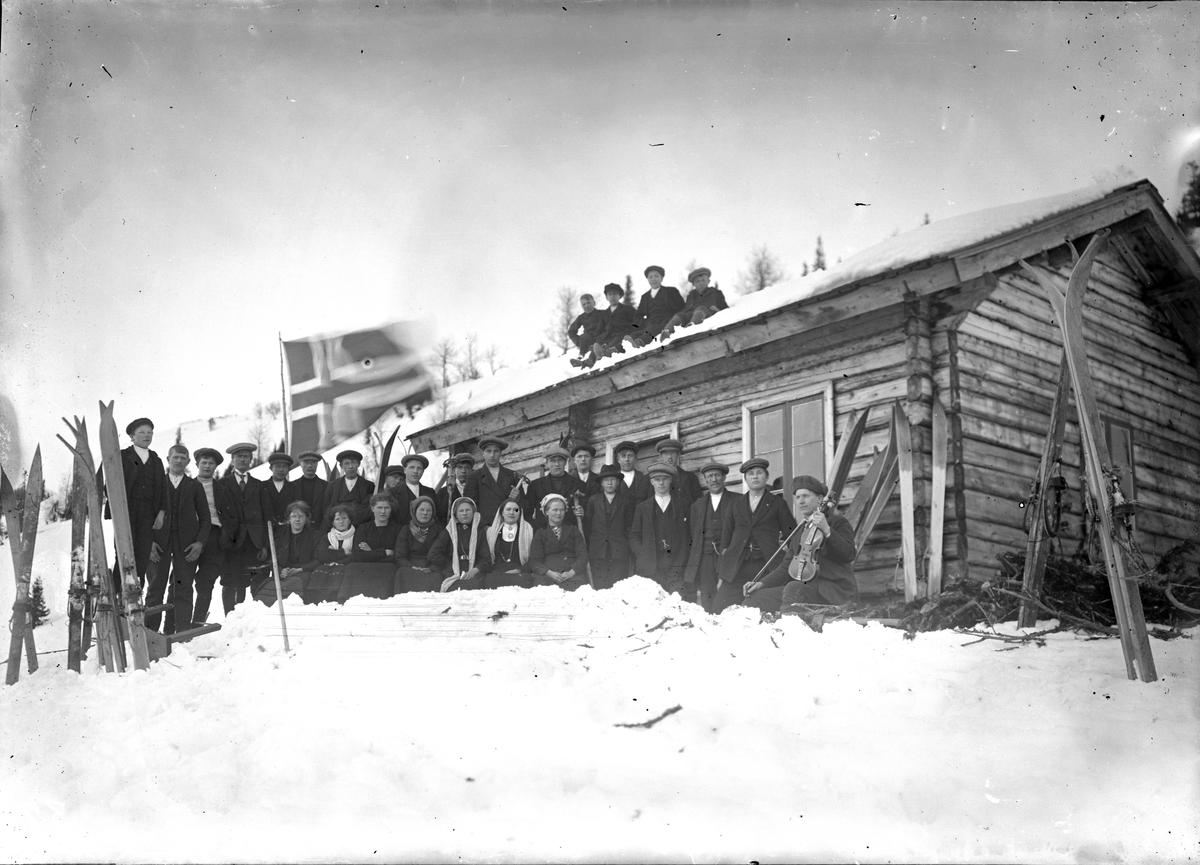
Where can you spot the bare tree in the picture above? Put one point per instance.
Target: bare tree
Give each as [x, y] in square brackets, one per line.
[762, 270]
[444, 358]
[468, 365]
[260, 432]
[491, 356]
[560, 321]
[685, 286]
[542, 352]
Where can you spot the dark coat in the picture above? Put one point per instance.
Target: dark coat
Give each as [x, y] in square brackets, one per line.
[432, 553]
[445, 497]
[570, 547]
[711, 299]
[488, 493]
[566, 485]
[404, 499]
[244, 517]
[607, 525]
[590, 487]
[327, 555]
[764, 529]
[297, 550]
[187, 513]
[687, 486]
[379, 538]
[312, 493]
[275, 502]
[641, 490]
[646, 541]
[483, 556]
[336, 493]
[150, 477]
[834, 581]
[707, 527]
[592, 326]
[655, 312]
[620, 321]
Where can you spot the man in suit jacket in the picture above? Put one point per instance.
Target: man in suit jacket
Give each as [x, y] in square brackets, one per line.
[492, 484]
[406, 492]
[351, 488]
[620, 322]
[221, 508]
[178, 544]
[607, 519]
[707, 519]
[458, 470]
[761, 521]
[685, 485]
[145, 491]
[310, 488]
[582, 457]
[657, 305]
[659, 534]
[701, 302]
[633, 481]
[243, 534]
[557, 481]
[278, 492]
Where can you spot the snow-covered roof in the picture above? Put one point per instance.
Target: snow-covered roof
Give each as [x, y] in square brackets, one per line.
[937, 240]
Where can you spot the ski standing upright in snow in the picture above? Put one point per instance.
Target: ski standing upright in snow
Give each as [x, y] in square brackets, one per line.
[22, 536]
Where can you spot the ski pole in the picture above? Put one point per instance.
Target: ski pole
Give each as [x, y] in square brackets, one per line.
[278, 584]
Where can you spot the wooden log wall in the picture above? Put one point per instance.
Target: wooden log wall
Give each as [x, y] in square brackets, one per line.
[1006, 359]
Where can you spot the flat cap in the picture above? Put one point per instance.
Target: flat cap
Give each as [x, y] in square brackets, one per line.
[756, 463]
[669, 444]
[699, 271]
[625, 446]
[280, 457]
[810, 483]
[556, 451]
[463, 459]
[661, 469]
[657, 267]
[309, 455]
[211, 453]
[241, 446]
[393, 470]
[612, 286]
[487, 441]
[408, 458]
[349, 455]
[714, 467]
[134, 424]
[583, 447]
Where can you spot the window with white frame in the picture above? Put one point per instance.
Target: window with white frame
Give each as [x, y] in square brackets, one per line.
[793, 431]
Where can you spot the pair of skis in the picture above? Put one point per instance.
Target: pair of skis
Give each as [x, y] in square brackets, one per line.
[22, 537]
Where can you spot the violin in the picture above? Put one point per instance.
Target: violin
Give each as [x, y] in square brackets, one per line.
[807, 561]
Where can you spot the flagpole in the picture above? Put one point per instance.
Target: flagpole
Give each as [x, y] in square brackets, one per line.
[287, 427]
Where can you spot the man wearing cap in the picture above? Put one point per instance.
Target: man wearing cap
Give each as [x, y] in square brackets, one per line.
[243, 533]
[145, 490]
[178, 544]
[656, 306]
[783, 587]
[702, 301]
[351, 489]
[492, 484]
[761, 520]
[390, 482]
[310, 489]
[685, 485]
[620, 321]
[633, 481]
[212, 557]
[607, 519]
[556, 480]
[582, 456]
[659, 534]
[411, 488]
[706, 519]
[458, 470]
[278, 492]
[587, 328]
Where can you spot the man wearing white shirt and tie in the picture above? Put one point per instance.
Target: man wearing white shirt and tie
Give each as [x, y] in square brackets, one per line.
[245, 539]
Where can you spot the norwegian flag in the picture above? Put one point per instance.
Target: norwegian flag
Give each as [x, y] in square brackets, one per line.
[340, 384]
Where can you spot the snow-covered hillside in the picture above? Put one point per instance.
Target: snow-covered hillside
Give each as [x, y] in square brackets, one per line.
[436, 728]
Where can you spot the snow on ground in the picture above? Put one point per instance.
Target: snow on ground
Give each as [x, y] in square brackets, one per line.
[430, 727]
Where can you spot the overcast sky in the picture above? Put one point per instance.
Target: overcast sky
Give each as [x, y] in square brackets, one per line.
[182, 181]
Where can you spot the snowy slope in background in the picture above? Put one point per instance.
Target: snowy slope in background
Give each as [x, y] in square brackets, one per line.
[422, 728]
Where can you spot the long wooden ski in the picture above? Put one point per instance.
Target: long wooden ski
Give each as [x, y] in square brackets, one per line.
[22, 625]
[1037, 547]
[78, 591]
[12, 516]
[876, 490]
[110, 453]
[843, 458]
[937, 507]
[1102, 480]
[908, 529]
[100, 584]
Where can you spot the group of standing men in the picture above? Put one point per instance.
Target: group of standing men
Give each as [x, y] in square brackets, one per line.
[708, 544]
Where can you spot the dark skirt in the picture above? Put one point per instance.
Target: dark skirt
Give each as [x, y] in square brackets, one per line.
[264, 591]
[497, 578]
[372, 579]
[324, 584]
[560, 562]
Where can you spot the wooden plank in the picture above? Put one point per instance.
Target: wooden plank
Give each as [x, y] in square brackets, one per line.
[78, 591]
[26, 537]
[1038, 547]
[904, 462]
[954, 412]
[937, 504]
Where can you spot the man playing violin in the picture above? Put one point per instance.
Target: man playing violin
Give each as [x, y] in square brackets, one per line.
[818, 566]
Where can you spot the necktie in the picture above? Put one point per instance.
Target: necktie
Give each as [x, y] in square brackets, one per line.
[242, 482]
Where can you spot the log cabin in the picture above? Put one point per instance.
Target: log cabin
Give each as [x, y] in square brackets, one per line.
[942, 312]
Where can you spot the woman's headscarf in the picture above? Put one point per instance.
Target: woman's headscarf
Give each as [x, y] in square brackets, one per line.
[474, 533]
[550, 497]
[524, 534]
[420, 531]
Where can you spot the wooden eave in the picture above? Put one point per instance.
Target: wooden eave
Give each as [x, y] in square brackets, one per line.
[965, 276]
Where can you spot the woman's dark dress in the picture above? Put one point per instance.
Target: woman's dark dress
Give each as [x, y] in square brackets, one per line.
[371, 572]
[292, 551]
[507, 558]
[411, 554]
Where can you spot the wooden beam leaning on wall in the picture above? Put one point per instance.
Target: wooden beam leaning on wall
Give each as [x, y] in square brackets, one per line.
[1127, 602]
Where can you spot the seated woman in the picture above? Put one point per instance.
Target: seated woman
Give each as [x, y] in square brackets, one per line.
[422, 550]
[371, 570]
[333, 552]
[508, 539]
[558, 555]
[469, 556]
[295, 547]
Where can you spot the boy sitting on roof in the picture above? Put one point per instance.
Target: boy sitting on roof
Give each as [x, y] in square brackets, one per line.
[702, 301]
[587, 328]
[620, 322]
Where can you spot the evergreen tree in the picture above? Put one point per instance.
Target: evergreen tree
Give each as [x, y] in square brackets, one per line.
[37, 602]
[630, 298]
[804, 268]
[1188, 214]
[925, 221]
[819, 260]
